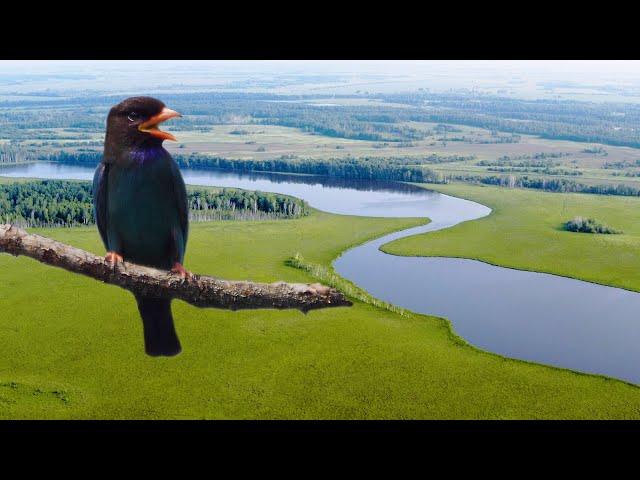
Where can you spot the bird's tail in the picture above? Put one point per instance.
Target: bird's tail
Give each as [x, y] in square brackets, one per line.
[160, 338]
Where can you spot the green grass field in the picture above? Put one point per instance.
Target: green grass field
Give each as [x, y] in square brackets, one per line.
[525, 231]
[72, 347]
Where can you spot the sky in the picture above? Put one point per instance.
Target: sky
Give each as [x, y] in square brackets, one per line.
[511, 77]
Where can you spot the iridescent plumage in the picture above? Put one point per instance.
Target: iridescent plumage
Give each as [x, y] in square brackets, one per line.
[141, 209]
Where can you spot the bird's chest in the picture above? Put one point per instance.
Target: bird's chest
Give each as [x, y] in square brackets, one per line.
[140, 204]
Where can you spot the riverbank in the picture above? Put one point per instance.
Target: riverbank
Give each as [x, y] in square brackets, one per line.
[524, 231]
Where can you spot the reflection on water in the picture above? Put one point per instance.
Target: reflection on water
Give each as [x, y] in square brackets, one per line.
[336, 195]
[526, 315]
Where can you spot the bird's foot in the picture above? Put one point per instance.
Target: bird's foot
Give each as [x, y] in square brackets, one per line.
[113, 258]
[180, 270]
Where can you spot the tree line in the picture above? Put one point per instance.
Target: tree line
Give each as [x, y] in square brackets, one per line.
[561, 185]
[12, 153]
[541, 170]
[62, 203]
[361, 168]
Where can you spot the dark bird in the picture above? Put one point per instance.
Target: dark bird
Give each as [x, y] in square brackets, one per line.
[140, 205]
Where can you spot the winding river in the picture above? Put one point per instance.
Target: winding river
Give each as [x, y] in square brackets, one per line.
[531, 316]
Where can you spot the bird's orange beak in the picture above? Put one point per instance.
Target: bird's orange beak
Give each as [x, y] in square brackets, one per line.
[151, 125]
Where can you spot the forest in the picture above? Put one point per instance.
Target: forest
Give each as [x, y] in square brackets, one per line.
[609, 123]
[62, 203]
[385, 120]
[353, 168]
[362, 168]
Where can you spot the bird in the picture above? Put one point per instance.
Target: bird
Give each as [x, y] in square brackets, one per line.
[141, 207]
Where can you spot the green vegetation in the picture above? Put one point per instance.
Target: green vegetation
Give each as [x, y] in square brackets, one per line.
[545, 170]
[234, 204]
[62, 203]
[386, 119]
[589, 225]
[621, 164]
[526, 231]
[14, 154]
[596, 150]
[328, 277]
[610, 123]
[351, 168]
[71, 346]
[539, 160]
[46, 203]
[548, 184]
[413, 137]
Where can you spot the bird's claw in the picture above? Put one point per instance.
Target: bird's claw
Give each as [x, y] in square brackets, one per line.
[178, 269]
[113, 258]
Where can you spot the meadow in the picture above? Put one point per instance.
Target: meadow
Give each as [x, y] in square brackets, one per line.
[72, 347]
[526, 231]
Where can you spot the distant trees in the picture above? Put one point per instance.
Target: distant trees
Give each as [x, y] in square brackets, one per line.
[46, 203]
[545, 170]
[588, 225]
[82, 158]
[11, 153]
[382, 120]
[434, 158]
[352, 168]
[595, 150]
[61, 203]
[536, 160]
[242, 204]
[388, 119]
[548, 184]
[360, 168]
[621, 164]
[593, 122]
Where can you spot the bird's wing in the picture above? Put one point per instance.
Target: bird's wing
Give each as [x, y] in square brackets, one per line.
[180, 192]
[100, 200]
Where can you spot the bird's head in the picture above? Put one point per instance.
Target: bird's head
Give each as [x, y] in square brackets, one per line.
[133, 123]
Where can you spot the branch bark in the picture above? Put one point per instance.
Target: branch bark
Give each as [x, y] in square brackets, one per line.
[201, 291]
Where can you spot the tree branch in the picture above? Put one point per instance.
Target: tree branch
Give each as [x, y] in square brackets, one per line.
[200, 291]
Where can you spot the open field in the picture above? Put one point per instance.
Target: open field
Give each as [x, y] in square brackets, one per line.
[589, 163]
[291, 141]
[241, 140]
[525, 231]
[457, 134]
[72, 347]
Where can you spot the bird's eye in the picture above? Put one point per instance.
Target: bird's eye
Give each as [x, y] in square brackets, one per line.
[133, 116]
